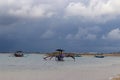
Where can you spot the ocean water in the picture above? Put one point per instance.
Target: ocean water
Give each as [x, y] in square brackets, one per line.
[36, 61]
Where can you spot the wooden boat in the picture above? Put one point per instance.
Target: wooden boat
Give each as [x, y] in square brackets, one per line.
[97, 56]
[18, 54]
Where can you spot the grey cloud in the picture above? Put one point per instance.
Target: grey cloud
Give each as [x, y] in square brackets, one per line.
[7, 20]
[113, 35]
[48, 34]
[25, 8]
[85, 33]
[102, 10]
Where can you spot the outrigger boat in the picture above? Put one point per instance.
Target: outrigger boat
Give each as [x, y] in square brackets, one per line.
[59, 55]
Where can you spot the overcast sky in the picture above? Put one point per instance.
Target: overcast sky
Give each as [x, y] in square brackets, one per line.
[73, 25]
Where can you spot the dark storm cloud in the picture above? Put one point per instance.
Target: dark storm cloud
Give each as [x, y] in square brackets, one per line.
[38, 25]
[7, 20]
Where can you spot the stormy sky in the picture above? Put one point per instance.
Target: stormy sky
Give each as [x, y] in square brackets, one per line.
[73, 25]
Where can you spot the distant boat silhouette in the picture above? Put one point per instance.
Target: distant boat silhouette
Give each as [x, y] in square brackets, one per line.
[19, 54]
[99, 56]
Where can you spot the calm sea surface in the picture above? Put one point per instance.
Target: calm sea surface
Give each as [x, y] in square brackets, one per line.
[35, 61]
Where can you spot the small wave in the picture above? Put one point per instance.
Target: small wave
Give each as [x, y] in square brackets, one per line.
[11, 65]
